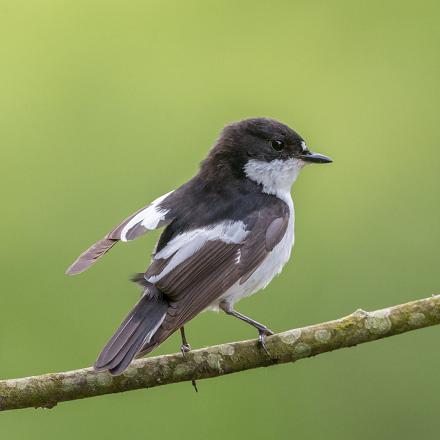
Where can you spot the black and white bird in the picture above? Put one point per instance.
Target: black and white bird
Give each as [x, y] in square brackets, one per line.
[228, 231]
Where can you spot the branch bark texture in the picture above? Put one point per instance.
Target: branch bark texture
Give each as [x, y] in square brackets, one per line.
[49, 389]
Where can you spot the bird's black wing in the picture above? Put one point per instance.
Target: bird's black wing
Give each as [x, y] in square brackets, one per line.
[195, 269]
[146, 219]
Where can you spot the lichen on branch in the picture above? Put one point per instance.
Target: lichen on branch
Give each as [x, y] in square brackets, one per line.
[49, 389]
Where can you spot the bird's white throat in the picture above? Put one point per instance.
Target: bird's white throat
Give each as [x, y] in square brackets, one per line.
[276, 177]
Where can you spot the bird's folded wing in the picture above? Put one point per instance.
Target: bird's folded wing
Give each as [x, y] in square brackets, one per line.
[195, 270]
[146, 219]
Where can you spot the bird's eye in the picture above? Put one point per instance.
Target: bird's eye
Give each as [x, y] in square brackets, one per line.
[277, 145]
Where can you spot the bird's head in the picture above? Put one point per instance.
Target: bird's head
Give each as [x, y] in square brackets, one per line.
[263, 150]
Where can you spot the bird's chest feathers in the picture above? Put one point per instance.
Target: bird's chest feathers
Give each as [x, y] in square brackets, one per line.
[275, 177]
[278, 257]
[270, 267]
[281, 252]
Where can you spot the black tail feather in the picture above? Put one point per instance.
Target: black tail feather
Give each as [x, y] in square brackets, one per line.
[128, 357]
[136, 329]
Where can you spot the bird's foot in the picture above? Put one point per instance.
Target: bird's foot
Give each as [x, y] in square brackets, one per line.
[185, 348]
[262, 333]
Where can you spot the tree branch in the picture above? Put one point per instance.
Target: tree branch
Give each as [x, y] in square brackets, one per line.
[359, 327]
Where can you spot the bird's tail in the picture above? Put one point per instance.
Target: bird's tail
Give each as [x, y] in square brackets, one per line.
[135, 331]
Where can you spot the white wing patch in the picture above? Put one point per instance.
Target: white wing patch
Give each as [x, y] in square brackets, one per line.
[183, 246]
[149, 218]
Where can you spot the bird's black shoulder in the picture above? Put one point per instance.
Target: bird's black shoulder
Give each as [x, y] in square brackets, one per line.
[199, 204]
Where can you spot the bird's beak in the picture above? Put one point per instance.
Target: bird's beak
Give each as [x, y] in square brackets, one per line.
[310, 157]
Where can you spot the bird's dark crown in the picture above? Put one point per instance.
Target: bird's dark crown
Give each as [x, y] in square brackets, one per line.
[262, 139]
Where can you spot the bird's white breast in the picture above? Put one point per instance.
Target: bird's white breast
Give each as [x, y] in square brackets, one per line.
[268, 269]
[277, 178]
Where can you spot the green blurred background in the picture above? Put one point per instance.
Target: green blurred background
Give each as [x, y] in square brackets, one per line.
[106, 105]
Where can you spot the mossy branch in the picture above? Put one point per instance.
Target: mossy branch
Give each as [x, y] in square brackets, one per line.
[359, 327]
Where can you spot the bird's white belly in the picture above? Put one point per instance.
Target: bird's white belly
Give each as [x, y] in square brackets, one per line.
[268, 269]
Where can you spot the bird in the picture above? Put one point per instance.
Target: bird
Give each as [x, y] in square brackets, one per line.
[228, 232]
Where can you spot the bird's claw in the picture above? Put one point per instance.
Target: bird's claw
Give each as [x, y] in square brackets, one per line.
[185, 348]
[262, 333]
[267, 331]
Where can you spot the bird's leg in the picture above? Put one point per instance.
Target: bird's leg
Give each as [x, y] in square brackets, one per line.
[263, 331]
[185, 348]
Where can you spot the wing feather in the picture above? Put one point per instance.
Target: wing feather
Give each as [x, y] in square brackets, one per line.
[137, 224]
[193, 284]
